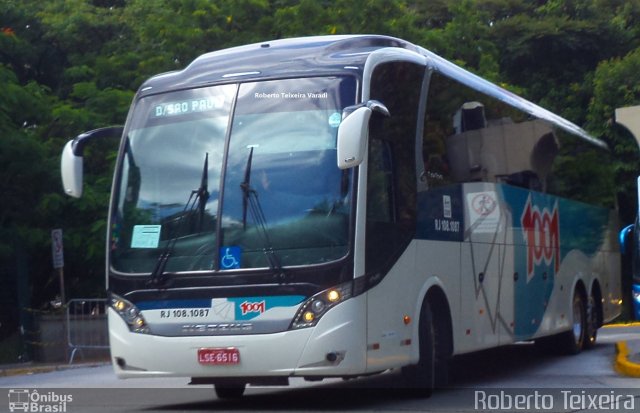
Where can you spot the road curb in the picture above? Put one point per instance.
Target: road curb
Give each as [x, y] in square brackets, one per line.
[629, 324]
[622, 364]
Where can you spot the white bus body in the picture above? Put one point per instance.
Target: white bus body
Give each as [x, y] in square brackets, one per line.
[363, 205]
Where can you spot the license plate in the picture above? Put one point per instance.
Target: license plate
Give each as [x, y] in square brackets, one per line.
[219, 356]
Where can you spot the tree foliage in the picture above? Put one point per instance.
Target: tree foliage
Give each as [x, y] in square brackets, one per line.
[67, 66]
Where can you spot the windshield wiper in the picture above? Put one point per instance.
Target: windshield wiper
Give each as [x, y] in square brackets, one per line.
[197, 199]
[251, 202]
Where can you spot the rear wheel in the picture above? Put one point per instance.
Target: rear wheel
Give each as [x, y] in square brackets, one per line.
[572, 342]
[593, 321]
[229, 391]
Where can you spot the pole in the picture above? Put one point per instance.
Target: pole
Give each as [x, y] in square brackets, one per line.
[57, 251]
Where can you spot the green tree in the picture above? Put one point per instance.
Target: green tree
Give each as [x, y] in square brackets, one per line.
[617, 84]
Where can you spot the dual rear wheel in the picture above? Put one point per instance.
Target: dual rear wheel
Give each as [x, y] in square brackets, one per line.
[583, 334]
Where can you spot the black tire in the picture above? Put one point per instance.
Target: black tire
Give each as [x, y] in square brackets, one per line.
[593, 322]
[420, 378]
[229, 391]
[572, 341]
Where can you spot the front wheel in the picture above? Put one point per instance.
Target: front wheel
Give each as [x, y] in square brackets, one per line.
[420, 377]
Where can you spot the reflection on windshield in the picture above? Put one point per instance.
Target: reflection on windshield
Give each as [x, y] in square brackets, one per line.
[289, 125]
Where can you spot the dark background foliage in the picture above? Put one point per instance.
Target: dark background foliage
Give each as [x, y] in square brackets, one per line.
[67, 66]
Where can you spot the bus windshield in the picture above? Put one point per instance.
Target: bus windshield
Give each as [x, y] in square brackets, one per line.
[233, 176]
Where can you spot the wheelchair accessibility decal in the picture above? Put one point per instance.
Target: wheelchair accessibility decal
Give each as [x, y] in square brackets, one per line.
[230, 257]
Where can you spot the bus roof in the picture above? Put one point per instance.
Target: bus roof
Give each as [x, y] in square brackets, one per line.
[324, 55]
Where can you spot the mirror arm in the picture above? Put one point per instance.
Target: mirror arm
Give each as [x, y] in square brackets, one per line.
[81, 140]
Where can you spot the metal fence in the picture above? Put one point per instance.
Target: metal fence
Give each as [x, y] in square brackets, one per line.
[87, 325]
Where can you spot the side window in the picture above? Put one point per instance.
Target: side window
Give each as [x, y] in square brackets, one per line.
[471, 137]
[391, 193]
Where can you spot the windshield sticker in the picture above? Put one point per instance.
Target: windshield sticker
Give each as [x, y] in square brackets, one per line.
[335, 119]
[484, 212]
[145, 236]
[188, 106]
[230, 257]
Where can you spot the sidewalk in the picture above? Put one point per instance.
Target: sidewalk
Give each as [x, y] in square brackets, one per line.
[35, 368]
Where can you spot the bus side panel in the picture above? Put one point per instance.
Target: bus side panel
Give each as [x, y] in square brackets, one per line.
[487, 269]
[424, 264]
[558, 243]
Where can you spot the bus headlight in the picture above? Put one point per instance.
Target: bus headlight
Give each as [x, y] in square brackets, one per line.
[129, 313]
[315, 307]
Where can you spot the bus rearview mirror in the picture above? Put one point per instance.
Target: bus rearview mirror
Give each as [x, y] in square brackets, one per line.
[71, 170]
[352, 138]
[353, 133]
[626, 239]
[71, 164]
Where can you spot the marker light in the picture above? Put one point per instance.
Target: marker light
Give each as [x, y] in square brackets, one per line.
[130, 314]
[315, 307]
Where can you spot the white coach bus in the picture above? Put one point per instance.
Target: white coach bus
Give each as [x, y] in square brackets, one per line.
[340, 206]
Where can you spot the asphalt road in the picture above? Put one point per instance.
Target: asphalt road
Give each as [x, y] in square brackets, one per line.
[490, 380]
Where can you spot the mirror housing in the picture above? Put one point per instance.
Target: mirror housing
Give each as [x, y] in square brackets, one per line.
[626, 239]
[353, 133]
[71, 164]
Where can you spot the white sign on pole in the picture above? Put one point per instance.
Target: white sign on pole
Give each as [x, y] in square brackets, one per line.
[57, 248]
